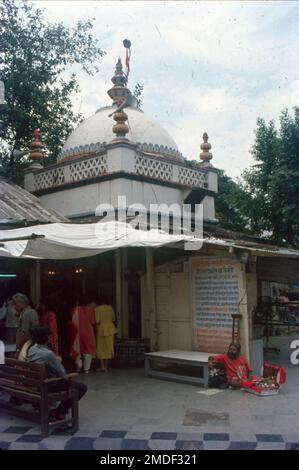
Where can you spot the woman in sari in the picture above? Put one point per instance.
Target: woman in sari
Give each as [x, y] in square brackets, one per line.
[105, 318]
[48, 318]
[83, 344]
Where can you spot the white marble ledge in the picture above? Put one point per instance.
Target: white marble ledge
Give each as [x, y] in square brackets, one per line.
[182, 354]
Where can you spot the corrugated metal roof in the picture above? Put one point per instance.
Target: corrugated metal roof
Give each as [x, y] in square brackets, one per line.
[18, 205]
[258, 249]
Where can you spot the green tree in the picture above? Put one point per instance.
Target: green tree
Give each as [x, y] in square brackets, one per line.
[231, 203]
[273, 183]
[257, 179]
[35, 59]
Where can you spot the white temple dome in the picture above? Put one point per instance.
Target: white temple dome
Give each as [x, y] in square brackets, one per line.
[96, 131]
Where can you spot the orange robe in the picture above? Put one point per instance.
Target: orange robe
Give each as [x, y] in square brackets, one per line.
[82, 333]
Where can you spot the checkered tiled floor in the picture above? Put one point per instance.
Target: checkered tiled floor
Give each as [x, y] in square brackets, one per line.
[24, 437]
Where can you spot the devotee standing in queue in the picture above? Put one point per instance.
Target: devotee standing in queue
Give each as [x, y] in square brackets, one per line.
[83, 344]
[47, 317]
[27, 319]
[106, 329]
[11, 323]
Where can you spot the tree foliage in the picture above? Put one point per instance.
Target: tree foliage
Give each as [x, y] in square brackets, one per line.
[35, 59]
[231, 204]
[273, 183]
[265, 201]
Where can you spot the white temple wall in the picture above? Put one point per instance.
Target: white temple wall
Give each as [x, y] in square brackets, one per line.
[120, 159]
[174, 313]
[85, 199]
[213, 180]
[208, 207]
[175, 316]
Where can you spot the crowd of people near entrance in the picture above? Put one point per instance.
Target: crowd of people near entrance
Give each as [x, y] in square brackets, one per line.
[35, 335]
[92, 328]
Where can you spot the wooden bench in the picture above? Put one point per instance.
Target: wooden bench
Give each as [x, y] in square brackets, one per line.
[29, 383]
[179, 365]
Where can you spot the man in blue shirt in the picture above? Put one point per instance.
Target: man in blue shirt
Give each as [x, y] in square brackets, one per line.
[41, 354]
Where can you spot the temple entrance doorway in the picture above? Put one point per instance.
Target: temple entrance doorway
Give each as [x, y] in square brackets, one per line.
[62, 282]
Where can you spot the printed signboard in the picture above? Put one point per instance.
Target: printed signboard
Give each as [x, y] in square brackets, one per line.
[215, 292]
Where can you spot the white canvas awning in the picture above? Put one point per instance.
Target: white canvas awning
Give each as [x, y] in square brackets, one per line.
[66, 241]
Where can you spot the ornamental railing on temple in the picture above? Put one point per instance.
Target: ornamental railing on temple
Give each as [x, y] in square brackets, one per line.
[84, 168]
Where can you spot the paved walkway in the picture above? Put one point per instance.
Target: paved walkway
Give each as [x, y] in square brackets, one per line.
[125, 410]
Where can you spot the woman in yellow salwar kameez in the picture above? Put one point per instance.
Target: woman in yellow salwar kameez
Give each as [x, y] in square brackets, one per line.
[105, 318]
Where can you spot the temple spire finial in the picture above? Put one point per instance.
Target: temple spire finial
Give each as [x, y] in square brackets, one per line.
[36, 148]
[205, 156]
[121, 95]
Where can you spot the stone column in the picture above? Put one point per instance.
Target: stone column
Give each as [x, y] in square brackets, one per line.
[118, 286]
[151, 294]
[251, 281]
[125, 306]
[243, 309]
[35, 282]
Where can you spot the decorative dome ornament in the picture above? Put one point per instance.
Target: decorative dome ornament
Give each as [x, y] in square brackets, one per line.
[120, 128]
[99, 130]
[36, 148]
[205, 155]
[119, 90]
[119, 93]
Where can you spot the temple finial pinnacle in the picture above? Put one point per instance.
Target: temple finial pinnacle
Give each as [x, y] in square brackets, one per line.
[206, 156]
[37, 146]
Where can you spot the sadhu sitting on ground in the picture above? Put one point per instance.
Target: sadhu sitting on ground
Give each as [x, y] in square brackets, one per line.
[236, 367]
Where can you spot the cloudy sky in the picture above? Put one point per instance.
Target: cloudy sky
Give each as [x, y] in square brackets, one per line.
[205, 66]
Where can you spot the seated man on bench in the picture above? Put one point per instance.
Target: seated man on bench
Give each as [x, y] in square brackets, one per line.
[41, 354]
[236, 367]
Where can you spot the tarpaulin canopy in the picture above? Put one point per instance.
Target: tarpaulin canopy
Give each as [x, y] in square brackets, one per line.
[66, 241]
